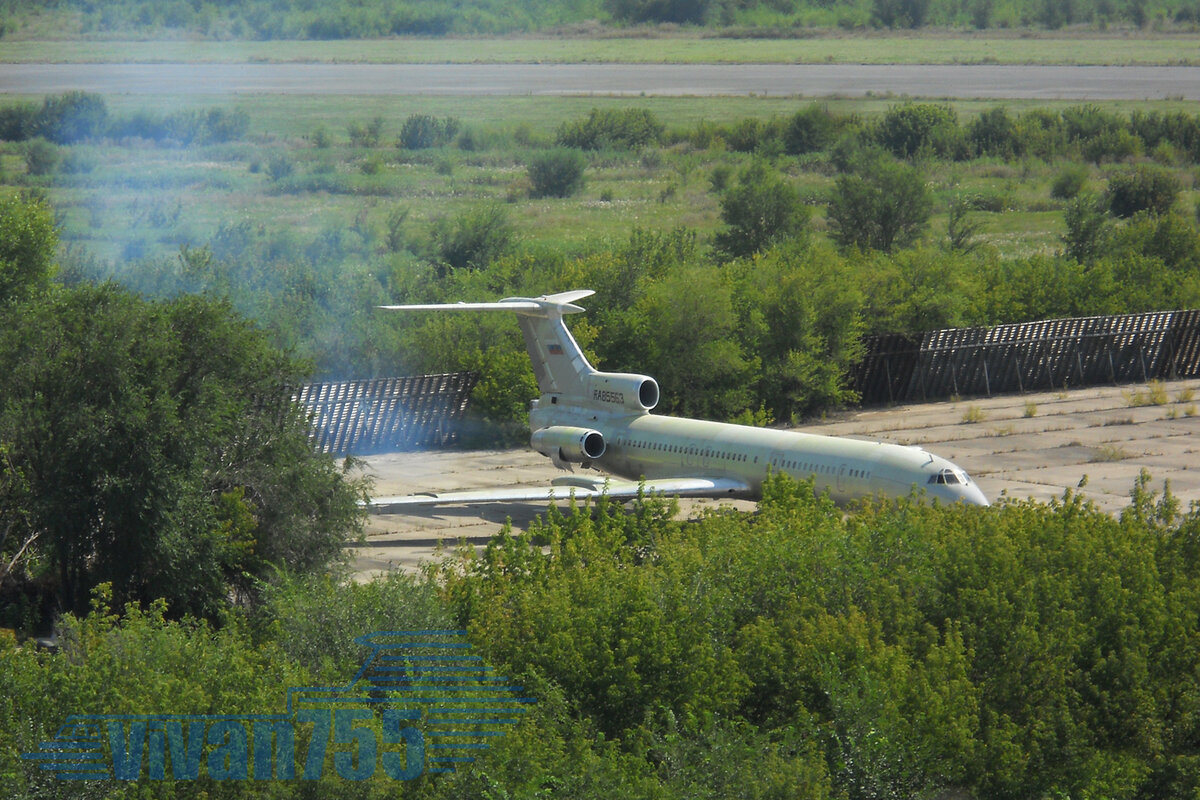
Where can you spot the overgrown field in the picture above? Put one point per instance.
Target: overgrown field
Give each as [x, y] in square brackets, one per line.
[803, 226]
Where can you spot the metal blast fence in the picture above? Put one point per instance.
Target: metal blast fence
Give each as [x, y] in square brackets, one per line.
[1030, 356]
[386, 414]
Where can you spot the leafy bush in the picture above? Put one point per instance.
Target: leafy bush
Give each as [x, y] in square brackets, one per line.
[1171, 238]
[629, 128]
[320, 137]
[280, 167]
[907, 129]
[72, 117]
[1116, 145]
[1144, 188]
[810, 129]
[899, 13]
[17, 121]
[1081, 123]
[214, 126]
[422, 131]
[678, 11]
[747, 135]
[421, 20]
[1039, 132]
[475, 239]
[1175, 128]
[909, 645]
[41, 157]
[1069, 182]
[368, 134]
[993, 133]
[222, 125]
[1086, 228]
[557, 173]
[28, 246]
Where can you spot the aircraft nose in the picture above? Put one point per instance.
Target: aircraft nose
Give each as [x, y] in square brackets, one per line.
[973, 495]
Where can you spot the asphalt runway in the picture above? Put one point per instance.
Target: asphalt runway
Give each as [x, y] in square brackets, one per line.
[703, 80]
[1034, 446]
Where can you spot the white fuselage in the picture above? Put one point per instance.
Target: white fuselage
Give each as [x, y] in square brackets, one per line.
[603, 420]
[651, 446]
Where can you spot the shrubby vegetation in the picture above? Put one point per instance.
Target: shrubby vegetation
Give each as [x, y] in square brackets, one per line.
[421, 131]
[892, 223]
[76, 117]
[556, 173]
[901, 650]
[879, 205]
[630, 128]
[149, 445]
[762, 209]
[293, 19]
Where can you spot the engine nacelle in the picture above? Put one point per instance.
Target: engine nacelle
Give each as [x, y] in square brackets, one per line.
[568, 443]
[632, 392]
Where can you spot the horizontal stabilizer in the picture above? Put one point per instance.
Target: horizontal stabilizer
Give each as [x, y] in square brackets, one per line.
[497, 306]
[573, 486]
[563, 303]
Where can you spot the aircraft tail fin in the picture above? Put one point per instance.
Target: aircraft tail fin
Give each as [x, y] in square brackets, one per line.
[558, 362]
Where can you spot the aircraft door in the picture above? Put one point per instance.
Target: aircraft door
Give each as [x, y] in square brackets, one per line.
[841, 479]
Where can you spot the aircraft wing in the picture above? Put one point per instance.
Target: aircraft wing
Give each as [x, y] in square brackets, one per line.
[564, 489]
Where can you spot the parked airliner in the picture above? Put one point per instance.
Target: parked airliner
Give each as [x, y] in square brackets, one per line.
[602, 421]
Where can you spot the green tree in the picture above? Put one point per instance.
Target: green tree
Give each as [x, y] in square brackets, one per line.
[801, 317]
[28, 246]
[693, 351]
[1172, 238]
[884, 205]
[1087, 228]
[918, 289]
[760, 210]
[161, 450]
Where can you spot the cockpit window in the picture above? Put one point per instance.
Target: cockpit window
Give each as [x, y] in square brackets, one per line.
[948, 477]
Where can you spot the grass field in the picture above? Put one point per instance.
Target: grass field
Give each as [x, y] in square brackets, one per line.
[119, 199]
[926, 48]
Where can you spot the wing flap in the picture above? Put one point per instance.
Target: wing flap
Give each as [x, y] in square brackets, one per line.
[617, 489]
